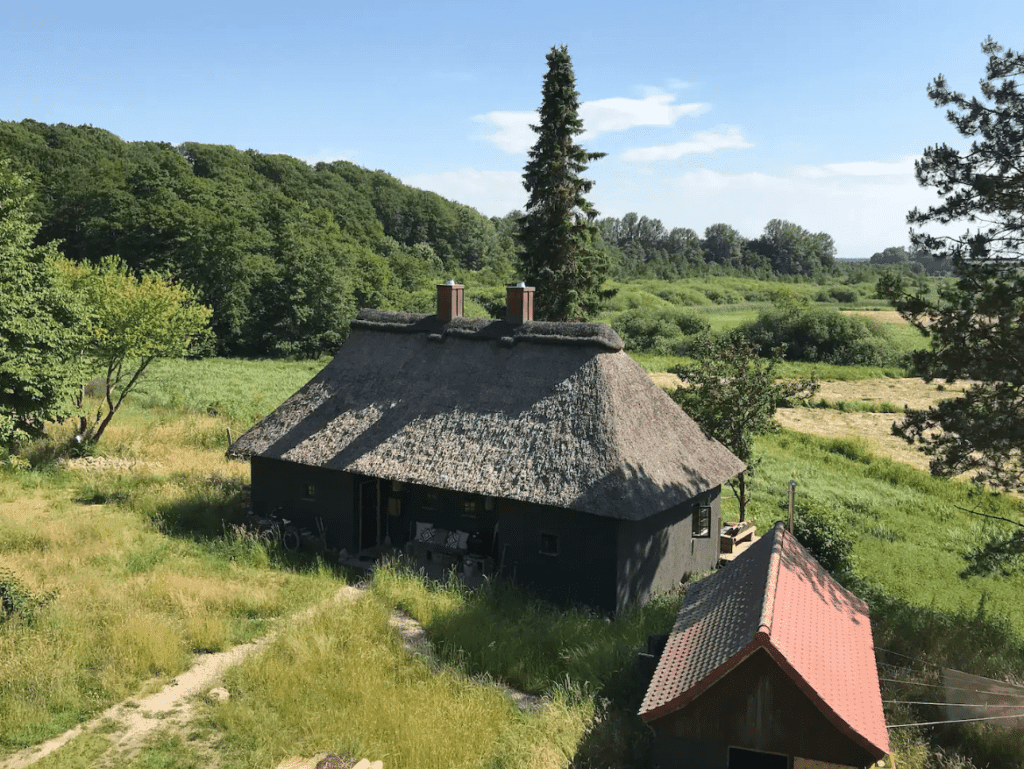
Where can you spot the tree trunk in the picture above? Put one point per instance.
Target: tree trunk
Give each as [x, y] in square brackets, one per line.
[743, 496]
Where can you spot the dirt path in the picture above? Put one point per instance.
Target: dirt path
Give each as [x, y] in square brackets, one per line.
[172, 707]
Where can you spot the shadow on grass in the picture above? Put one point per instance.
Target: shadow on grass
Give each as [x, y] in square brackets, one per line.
[503, 632]
[207, 510]
[1001, 554]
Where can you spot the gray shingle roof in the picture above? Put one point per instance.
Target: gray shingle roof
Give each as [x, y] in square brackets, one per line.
[548, 413]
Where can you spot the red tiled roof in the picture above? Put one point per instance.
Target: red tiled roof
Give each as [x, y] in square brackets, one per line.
[775, 596]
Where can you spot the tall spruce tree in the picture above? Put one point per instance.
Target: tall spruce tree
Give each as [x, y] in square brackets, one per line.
[977, 323]
[564, 255]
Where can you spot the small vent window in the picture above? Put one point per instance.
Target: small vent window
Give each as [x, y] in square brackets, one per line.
[548, 543]
[309, 491]
[702, 521]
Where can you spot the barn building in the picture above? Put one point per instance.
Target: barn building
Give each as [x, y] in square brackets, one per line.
[770, 664]
[536, 450]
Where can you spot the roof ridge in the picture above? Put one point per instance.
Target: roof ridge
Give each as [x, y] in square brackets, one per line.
[544, 332]
[771, 586]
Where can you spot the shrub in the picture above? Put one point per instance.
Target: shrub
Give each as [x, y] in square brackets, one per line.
[681, 295]
[819, 529]
[17, 600]
[844, 295]
[855, 449]
[661, 331]
[821, 335]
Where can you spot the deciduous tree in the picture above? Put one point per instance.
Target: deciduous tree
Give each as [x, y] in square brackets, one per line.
[732, 393]
[976, 324]
[129, 323]
[39, 323]
[563, 254]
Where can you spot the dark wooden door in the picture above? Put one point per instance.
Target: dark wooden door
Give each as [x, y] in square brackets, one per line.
[368, 504]
[755, 759]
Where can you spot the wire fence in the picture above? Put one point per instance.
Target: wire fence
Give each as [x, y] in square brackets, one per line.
[992, 700]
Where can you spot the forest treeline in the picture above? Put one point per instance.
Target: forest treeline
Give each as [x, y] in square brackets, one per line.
[284, 253]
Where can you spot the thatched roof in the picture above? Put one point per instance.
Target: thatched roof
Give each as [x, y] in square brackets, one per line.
[548, 413]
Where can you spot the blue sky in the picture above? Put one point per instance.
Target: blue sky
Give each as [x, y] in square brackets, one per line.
[735, 112]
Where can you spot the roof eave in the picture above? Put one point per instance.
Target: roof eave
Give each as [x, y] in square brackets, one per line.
[823, 707]
[685, 698]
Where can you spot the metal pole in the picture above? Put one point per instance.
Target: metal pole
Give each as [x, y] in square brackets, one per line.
[792, 496]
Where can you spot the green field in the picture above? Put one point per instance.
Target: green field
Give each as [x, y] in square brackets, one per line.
[149, 574]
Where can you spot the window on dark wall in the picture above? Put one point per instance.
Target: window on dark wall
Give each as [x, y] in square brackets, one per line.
[702, 521]
[548, 543]
[309, 491]
[430, 500]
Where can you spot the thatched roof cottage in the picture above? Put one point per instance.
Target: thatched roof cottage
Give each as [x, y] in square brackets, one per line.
[539, 450]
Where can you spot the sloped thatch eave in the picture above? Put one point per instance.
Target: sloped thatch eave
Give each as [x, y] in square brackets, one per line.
[568, 425]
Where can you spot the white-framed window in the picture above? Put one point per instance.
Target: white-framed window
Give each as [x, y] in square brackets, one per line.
[702, 521]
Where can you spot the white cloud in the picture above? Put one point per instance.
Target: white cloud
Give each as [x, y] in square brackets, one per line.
[513, 133]
[618, 114]
[703, 142]
[492, 193]
[511, 130]
[901, 167]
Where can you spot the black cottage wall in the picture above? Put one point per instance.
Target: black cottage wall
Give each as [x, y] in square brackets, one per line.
[561, 555]
[654, 554]
[303, 494]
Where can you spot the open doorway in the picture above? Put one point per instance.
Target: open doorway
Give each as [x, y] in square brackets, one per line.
[740, 758]
[368, 500]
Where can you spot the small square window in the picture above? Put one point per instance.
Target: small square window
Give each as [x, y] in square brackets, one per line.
[470, 508]
[702, 521]
[548, 543]
[309, 491]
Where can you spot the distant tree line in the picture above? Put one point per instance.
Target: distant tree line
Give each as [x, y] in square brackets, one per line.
[915, 259]
[644, 247]
[284, 253]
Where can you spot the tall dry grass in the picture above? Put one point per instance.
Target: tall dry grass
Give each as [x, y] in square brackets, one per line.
[341, 681]
[147, 573]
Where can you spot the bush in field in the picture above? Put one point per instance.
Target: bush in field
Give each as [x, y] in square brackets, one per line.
[17, 600]
[821, 335]
[841, 295]
[681, 295]
[662, 331]
[819, 529]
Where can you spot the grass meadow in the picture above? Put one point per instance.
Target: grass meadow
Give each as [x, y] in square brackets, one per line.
[147, 572]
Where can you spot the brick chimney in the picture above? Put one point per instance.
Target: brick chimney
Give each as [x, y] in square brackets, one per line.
[449, 301]
[519, 304]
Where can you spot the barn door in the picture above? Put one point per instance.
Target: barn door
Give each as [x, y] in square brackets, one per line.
[755, 759]
[368, 504]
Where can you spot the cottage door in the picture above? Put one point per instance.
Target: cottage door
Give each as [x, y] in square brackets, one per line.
[755, 759]
[368, 504]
